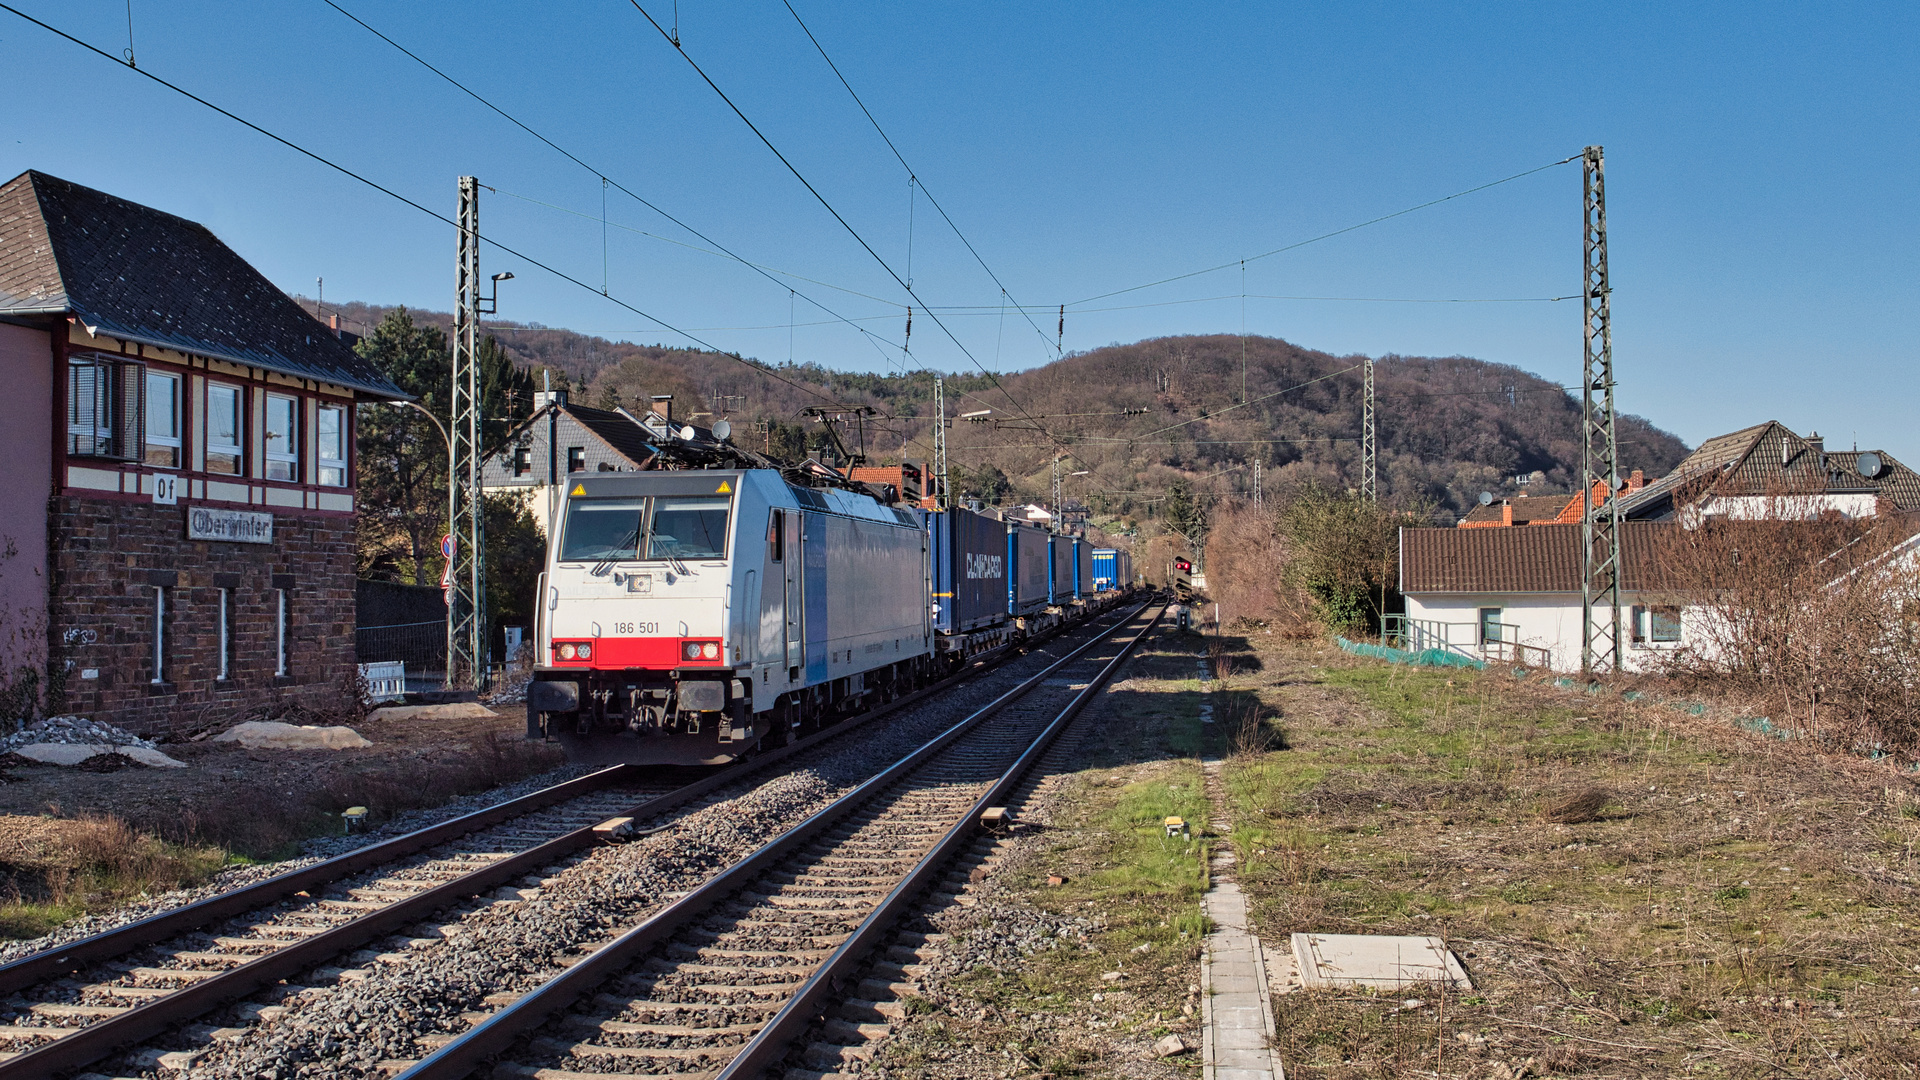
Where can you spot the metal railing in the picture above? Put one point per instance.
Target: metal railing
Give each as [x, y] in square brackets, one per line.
[1466, 638]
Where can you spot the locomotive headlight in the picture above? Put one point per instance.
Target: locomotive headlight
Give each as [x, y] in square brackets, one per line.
[691, 650]
[585, 650]
[710, 651]
[566, 651]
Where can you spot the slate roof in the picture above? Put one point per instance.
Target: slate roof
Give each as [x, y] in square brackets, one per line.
[1539, 558]
[143, 275]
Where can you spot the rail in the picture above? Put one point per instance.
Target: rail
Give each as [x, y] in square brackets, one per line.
[75, 1048]
[462, 1056]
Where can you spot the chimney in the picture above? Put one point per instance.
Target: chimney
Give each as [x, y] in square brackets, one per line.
[333, 323]
[1506, 513]
[662, 406]
[1636, 481]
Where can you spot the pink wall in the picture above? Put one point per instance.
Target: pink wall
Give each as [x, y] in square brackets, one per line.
[26, 480]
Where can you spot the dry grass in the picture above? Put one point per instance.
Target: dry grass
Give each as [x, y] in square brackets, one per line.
[52, 870]
[1636, 892]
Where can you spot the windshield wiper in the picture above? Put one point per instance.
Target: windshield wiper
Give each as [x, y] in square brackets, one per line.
[630, 540]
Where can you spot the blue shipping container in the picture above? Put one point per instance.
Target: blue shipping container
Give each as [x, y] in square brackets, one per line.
[1106, 569]
[968, 552]
[1027, 565]
[1060, 569]
[1082, 569]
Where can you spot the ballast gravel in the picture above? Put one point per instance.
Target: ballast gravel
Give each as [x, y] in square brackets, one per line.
[513, 945]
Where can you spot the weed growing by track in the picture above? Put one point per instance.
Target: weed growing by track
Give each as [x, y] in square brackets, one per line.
[53, 870]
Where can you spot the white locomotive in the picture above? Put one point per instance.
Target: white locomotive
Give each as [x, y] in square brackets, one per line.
[687, 615]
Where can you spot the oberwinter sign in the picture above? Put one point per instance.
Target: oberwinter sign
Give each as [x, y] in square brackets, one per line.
[234, 526]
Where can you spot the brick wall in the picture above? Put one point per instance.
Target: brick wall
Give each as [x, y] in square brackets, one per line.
[111, 554]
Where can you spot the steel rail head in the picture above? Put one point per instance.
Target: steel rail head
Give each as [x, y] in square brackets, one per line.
[459, 1058]
[65, 959]
[95, 1041]
[771, 1041]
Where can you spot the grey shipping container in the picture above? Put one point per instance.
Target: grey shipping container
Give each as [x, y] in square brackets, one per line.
[968, 552]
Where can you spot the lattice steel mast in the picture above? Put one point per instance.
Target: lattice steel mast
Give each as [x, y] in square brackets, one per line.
[1599, 462]
[467, 577]
[940, 443]
[1369, 457]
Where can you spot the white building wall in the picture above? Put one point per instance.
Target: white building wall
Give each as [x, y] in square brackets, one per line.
[1547, 620]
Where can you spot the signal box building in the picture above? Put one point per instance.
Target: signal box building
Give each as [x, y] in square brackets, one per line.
[178, 513]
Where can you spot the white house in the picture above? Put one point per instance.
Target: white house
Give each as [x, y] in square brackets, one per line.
[1513, 594]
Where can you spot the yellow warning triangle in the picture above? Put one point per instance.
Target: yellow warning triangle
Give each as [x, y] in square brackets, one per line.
[578, 489]
[724, 489]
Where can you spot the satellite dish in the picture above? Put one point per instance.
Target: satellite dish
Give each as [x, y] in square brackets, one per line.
[722, 430]
[687, 433]
[1486, 498]
[1869, 465]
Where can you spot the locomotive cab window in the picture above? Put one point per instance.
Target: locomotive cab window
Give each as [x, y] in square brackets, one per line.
[688, 528]
[600, 529]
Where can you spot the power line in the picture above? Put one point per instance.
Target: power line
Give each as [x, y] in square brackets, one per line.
[1330, 235]
[389, 192]
[815, 192]
[903, 163]
[604, 179]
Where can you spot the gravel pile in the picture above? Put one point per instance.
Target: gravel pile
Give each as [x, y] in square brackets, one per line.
[513, 945]
[73, 729]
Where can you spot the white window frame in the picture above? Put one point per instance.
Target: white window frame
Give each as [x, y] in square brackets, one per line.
[154, 439]
[332, 471]
[290, 457]
[280, 635]
[159, 634]
[226, 634]
[235, 449]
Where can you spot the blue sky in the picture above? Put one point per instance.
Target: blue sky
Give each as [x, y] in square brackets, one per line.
[1761, 166]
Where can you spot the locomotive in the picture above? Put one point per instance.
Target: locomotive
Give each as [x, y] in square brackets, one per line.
[690, 616]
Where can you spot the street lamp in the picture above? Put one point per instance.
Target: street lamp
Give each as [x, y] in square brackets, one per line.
[424, 411]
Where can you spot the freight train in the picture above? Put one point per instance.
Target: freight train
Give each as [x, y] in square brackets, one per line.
[691, 616]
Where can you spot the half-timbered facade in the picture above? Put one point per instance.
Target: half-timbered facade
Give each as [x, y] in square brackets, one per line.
[179, 491]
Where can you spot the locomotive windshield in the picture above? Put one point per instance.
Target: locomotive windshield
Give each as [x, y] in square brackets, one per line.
[688, 528]
[600, 529]
[611, 530]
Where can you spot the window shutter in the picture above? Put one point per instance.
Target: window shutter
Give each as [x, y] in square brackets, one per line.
[130, 419]
[83, 403]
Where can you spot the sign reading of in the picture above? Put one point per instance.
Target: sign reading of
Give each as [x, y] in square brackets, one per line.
[233, 526]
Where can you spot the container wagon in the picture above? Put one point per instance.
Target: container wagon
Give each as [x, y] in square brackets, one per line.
[967, 568]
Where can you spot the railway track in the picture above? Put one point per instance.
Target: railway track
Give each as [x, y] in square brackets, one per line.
[720, 983]
[72, 1006]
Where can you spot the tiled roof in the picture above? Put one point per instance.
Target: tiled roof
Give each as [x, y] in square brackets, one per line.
[1525, 509]
[1538, 558]
[139, 274]
[1768, 458]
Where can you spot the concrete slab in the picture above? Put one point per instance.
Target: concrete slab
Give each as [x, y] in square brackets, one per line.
[1379, 960]
[458, 710]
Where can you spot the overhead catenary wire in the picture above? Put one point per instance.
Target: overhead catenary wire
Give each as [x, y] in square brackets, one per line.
[901, 158]
[389, 192]
[605, 180]
[1328, 235]
[822, 200]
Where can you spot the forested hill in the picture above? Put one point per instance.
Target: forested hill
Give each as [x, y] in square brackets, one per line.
[1140, 418]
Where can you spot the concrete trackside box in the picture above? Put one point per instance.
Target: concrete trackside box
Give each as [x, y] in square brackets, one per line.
[968, 552]
[1060, 578]
[1028, 560]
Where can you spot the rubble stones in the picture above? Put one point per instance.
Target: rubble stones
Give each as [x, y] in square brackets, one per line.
[72, 729]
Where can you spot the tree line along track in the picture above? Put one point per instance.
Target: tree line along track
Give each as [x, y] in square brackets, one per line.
[79, 1003]
[720, 983]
